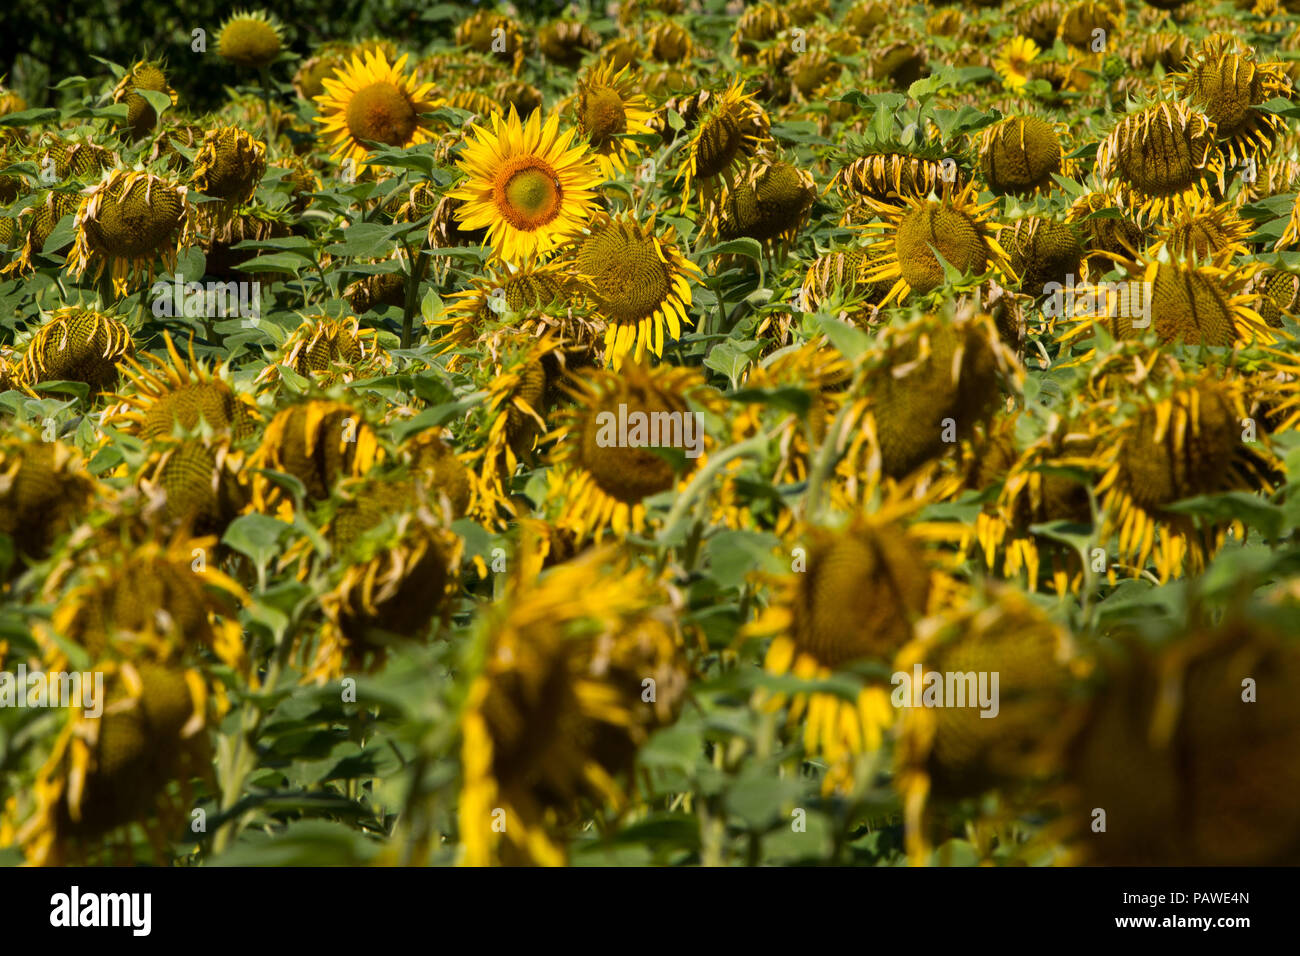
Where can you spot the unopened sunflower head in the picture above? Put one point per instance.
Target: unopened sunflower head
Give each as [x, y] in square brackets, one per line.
[128, 224]
[1020, 154]
[609, 108]
[252, 39]
[1160, 158]
[526, 185]
[637, 280]
[77, 345]
[143, 75]
[555, 715]
[770, 203]
[229, 164]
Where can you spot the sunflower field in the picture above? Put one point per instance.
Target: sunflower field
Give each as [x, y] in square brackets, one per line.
[670, 432]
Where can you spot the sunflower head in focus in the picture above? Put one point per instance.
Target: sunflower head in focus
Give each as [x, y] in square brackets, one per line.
[140, 114]
[637, 280]
[1020, 154]
[1207, 232]
[1160, 158]
[1107, 237]
[770, 203]
[1042, 251]
[602, 472]
[77, 345]
[373, 101]
[893, 174]
[556, 714]
[128, 224]
[1013, 59]
[330, 351]
[609, 108]
[526, 185]
[910, 239]
[36, 224]
[728, 129]
[229, 165]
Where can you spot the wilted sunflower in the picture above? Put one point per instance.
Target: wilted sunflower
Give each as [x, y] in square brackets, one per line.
[769, 203]
[36, 224]
[330, 351]
[140, 114]
[638, 282]
[1206, 232]
[198, 484]
[44, 491]
[228, 166]
[180, 397]
[1160, 158]
[1108, 237]
[560, 704]
[1013, 59]
[318, 442]
[526, 185]
[373, 101]
[1223, 80]
[567, 41]
[495, 34]
[601, 477]
[77, 345]
[853, 595]
[1042, 251]
[954, 226]
[957, 751]
[1089, 25]
[1187, 442]
[250, 39]
[728, 129]
[1020, 154]
[893, 175]
[757, 24]
[126, 225]
[609, 108]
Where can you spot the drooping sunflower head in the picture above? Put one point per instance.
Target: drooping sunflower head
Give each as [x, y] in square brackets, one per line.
[728, 129]
[1160, 158]
[1223, 80]
[250, 39]
[495, 34]
[77, 345]
[179, 398]
[909, 241]
[45, 491]
[75, 158]
[670, 42]
[1279, 296]
[1013, 59]
[1206, 232]
[373, 101]
[631, 435]
[637, 280]
[127, 224]
[526, 185]
[505, 301]
[567, 41]
[1020, 154]
[319, 442]
[557, 713]
[893, 175]
[1107, 237]
[434, 463]
[36, 224]
[330, 351]
[140, 114]
[757, 24]
[609, 107]
[840, 276]
[1168, 48]
[199, 483]
[229, 164]
[770, 203]
[1081, 21]
[1042, 251]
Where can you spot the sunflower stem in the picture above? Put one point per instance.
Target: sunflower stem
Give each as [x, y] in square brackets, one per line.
[412, 292]
[265, 75]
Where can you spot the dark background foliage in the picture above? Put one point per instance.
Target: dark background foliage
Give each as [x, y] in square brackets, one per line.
[43, 42]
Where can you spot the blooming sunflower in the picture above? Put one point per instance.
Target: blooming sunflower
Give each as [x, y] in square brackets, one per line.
[526, 185]
[559, 706]
[910, 239]
[602, 482]
[372, 100]
[127, 224]
[1012, 61]
[608, 109]
[728, 129]
[638, 281]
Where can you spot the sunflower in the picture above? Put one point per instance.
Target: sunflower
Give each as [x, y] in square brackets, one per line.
[1160, 158]
[1083, 19]
[1206, 232]
[757, 24]
[1042, 251]
[526, 185]
[910, 240]
[637, 280]
[36, 224]
[318, 442]
[558, 707]
[893, 176]
[200, 483]
[608, 109]
[250, 39]
[1183, 443]
[373, 101]
[604, 481]
[1108, 237]
[727, 129]
[44, 492]
[1012, 61]
[330, 351]
[769, 203]
[494, 34]
[670, 42]
[854, 597]
[180, 397]
[567, 42]
[954, 751]
[77, 345]
[127, 224]
[143, 75]
[1223, 80]
[228, 166]
[1020, 154]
